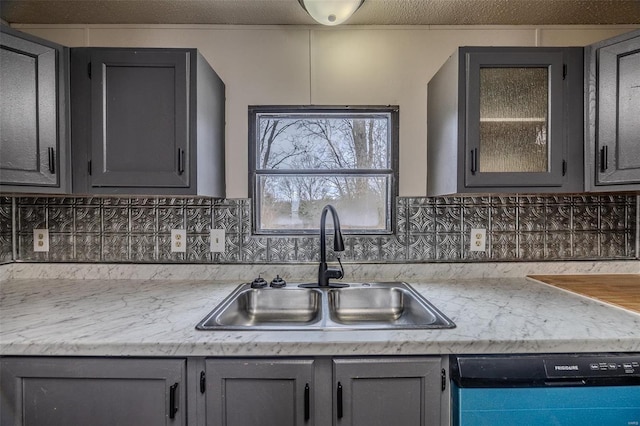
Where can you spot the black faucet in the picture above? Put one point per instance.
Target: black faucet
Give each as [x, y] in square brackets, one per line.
[324, 272]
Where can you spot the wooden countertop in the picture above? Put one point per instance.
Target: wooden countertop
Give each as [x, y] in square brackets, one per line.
[622, 290]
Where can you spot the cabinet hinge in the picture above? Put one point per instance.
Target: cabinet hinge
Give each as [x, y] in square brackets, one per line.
[89, 69]
[564, 167]
[443, 377]
[89, 167]
[564, 71]
[203, 382]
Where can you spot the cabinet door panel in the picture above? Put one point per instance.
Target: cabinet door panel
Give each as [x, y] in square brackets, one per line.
[259, 392]
[386, 401]
[381, 392]
[141, 97]
[514, 119]
[618, 137]
[28, 113]
[629, 117]
[97, 401]
[97, 392]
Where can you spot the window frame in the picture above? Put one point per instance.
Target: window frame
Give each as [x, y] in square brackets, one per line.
[254, 111]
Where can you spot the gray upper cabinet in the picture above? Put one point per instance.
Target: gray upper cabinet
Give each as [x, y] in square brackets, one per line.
[506, 119]
[613, 114]
[92, 391]
[147, 121]
[34, 143]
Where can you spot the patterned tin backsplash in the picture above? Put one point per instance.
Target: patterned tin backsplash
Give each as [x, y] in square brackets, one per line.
[519, 228]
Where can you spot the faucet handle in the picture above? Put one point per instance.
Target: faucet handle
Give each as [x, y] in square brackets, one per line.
[335, 273]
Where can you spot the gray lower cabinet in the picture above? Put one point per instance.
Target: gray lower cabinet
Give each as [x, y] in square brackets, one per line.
[146, 121]
[370, 391]
[259, 392]
[321, 391]
[92, 391]
[506, 120]
[613, 114]
[393, 391]
[34, 143]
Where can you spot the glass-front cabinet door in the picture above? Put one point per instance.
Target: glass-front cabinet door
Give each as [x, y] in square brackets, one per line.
[514, 109]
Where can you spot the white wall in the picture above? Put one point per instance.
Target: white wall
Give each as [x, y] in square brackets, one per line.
[291, 65]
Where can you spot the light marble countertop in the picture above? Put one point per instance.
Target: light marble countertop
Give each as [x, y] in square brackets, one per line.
[157, 317]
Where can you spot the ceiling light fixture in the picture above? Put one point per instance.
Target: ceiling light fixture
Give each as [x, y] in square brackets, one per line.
[331, 12]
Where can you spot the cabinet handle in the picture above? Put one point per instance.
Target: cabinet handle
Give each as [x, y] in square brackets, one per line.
[306, 402]
[173, 407]
[604, 158]
[52, 160]
[203, 382]
[339, 395]
[180, 161]
[474, 160]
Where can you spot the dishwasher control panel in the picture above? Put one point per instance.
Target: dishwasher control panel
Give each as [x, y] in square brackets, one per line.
[592, 366]
[522, 370]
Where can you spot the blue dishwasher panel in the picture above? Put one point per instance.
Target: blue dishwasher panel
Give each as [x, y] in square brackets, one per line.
[547, 406]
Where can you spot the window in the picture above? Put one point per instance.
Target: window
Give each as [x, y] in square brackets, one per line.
[302, 158]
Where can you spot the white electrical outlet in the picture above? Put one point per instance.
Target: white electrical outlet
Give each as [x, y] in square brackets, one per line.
[40, 240]
[478, 239]
[217, 240]
[178, 240]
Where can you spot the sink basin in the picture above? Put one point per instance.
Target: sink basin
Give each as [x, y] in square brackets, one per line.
[270, 307]
[361, 306]
[392, 305]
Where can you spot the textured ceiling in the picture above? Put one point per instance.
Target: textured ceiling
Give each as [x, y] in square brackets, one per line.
[289, 12]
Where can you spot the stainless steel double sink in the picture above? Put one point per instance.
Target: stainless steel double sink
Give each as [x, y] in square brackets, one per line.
[360, 306]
